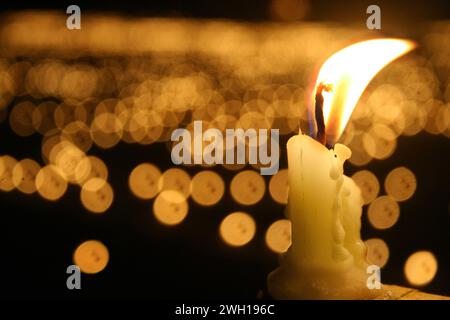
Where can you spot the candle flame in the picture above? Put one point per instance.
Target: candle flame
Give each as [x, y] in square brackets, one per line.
[348, 72]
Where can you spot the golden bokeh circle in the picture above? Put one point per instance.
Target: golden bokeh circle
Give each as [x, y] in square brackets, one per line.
[400, 184]
[207, 188]
[50, 183]
[170, 207]
[279, 186]
[377, 251]
[383, 212]
[237, 229]
[420, 268]
[144, 181]
[24, 175]
[7, 164]
[247, 187]
[91, 256]
[368, 184]
[96, 195]
[278, 236]
[176, 179]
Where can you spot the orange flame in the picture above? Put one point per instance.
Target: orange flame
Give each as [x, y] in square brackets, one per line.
[348, 72]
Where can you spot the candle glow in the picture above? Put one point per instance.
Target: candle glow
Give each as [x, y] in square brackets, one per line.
[348, 72]
[327, 257]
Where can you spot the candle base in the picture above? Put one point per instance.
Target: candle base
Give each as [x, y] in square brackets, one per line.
[316, 284]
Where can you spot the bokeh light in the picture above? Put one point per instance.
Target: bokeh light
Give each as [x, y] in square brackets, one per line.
[278, 236]
[237, 229]
[247, 187]
[420, 268]
[91, 256]
[170, 207]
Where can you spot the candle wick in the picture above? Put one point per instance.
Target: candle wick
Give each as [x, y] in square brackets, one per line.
[321, 136]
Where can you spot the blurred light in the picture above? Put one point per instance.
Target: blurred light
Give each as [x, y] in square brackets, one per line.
[368, 183]
[144, 181]
[7, 164]
[247, 187]
[279, 186]
[50, 183]
[400, 184]
[91, 256]
[24, 175]
[237, 229]
[278, 236]
[207, 188]
[170, 207]
[96, 195]
[383, 212]
[20, 119]
[176, 179]
[289, 10]
[96, 169]
[420, 268]
[377, 251]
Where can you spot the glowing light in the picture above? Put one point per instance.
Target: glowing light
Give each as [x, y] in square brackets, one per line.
[91, 256]
[237, 229]
[24, 175]
[247, 187]
[400, 184]
[420, 268]
[349, 71]
[50, 182]
[278, 236]
[176, 179]
[97, 195]
[383, 212]
[377, 251]
[207, 188]
[279, 187]
[143, 181]
[368, 183]
[170, 207]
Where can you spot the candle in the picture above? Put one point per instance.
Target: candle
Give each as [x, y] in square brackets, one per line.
[326, 259]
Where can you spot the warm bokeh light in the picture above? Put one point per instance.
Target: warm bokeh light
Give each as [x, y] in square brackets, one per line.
[170, 207]
[368, 183]
[96, 195]
[207, 188]
[24, 175]
[377, 251]
[91, 256]
[237, 229]
[400, 184]
[279, 186]
[349, 71]
[50, 183]
[7, 164]
[278, 236]
[420, 268]
[383, 212]
[144, 181]
[247, 187]
[176, 179]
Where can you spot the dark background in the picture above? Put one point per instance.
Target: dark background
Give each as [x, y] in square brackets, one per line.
[190, 260]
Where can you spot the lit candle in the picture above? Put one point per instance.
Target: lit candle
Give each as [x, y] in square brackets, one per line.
[326, 259]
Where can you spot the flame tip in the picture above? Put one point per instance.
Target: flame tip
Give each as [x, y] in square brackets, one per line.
[346, 74]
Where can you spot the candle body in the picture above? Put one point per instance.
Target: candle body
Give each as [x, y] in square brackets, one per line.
[326, 259]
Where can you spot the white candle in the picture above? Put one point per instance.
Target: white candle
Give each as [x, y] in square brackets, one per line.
[327, 257]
